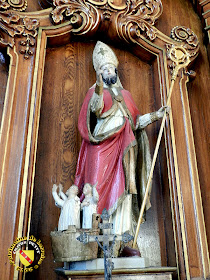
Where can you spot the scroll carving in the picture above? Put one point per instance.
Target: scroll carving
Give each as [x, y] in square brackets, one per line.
[83, 16]
[132, 19]
[187, 37]
[89, 13]
[188, 47]
[139, 18]
[4, 5]
[15, 26]
[18, 5]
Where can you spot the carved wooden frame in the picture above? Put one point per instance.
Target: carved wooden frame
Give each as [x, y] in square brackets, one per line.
[25, 36]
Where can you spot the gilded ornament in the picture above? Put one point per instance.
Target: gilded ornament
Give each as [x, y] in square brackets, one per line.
[15, 25]
[82, 15]
[4, 5]
[18, 5]
[187, 37]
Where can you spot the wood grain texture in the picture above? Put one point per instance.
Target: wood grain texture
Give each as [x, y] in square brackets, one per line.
[57, 127]
[33, 6]
[14, 133]
[64, 90]
[182, 13]
[4, 71]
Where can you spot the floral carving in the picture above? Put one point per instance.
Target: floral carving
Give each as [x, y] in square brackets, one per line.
[141, 13]
[139, 20]
[30, 32]
[19, 5]
[15, 26]
[9, 22]
[4, 5]
[83, 16]
[148, 10]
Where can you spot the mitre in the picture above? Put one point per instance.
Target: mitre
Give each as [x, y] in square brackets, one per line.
[103, 54]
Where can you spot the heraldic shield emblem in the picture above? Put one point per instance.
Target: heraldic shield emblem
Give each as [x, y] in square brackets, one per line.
[32, 258]
[26, 257]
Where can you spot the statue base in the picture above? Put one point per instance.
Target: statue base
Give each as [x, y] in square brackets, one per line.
[150, 273]
[66, 247]
[119, 263]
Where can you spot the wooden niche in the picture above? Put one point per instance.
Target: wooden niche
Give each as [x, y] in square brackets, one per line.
[58, 51]
[63, 92]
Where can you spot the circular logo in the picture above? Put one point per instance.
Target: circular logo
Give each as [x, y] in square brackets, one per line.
[30, 252]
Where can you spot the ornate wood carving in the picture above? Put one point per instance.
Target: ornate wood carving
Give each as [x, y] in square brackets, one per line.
[188, 50]
[187, 37]
[18, 5]
[145, 10]
[131, 20]
[83, 16]
[86, 15]
[17, 26]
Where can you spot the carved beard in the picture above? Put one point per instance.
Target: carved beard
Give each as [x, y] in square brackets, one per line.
[111, 80]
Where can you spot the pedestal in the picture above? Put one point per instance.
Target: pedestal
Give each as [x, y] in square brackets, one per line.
[98, 264]
[151, 273]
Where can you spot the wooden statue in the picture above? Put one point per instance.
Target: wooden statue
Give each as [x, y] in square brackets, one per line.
[89, 205]
[27, 38]
[113, 135]
[70, 207]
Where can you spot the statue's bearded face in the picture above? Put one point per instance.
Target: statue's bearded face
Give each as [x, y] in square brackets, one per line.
[109, 74]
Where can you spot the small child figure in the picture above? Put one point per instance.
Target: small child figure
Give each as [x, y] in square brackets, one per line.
[70, 207]
[89, 204]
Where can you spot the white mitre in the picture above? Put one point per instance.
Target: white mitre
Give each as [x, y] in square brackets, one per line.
[103, 54]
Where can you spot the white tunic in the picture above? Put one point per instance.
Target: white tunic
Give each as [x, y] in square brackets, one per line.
[70, 214]
[88, 212]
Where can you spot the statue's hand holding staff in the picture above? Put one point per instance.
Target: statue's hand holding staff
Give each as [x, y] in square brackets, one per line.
[161, 111]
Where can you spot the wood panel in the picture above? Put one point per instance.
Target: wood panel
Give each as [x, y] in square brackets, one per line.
[13, 135]
[198, 90]
[4, 62]
[200, 108]
[14, 146]
[64, 90]
[34, 6]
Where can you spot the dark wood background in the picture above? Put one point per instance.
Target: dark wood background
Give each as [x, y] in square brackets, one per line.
[4, 63]
[64, 90]
[56, 150]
